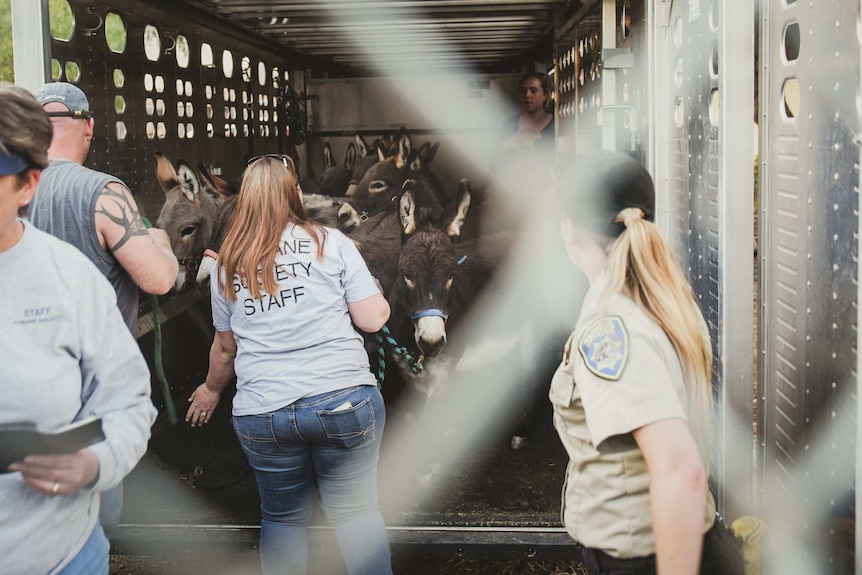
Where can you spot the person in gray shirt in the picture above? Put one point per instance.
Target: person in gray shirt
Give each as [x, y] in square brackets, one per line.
[66, 356]
[307, 405]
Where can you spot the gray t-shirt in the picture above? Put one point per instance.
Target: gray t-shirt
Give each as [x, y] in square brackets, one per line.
[65, 207]
[65, 354]
[301, 341]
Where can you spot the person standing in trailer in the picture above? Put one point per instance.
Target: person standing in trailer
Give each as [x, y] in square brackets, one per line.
[632, 397]
[65, 356]
[287, 298]
[96, 213]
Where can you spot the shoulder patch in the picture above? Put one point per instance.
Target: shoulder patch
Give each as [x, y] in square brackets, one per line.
[605, 347]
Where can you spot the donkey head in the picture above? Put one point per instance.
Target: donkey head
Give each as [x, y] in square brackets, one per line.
[336, 179]
[382, 182]
[187, 216]
[428, 267]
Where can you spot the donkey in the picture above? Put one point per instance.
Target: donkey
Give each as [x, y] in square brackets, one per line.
[437, 282]
[335, 178]
[381, 148]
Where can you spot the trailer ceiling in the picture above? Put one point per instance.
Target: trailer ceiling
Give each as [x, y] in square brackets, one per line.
[405, 35]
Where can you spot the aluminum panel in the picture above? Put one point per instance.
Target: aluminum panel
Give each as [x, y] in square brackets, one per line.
[809, 261]
[704, 173]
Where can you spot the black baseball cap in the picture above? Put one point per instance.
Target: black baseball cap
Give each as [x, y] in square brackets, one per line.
[597, 186]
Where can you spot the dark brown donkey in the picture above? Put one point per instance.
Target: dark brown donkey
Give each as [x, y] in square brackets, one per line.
[437, 282]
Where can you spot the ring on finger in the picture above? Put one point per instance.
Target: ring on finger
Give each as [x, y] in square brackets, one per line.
[55, 488]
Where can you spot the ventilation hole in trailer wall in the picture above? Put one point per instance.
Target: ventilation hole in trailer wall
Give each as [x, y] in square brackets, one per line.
[227, 64]
[181, 131]
[119, 104]
[119, 78]
[148, 82]
[208, 92]
[226, 95]
[190, 131]
[245, 114]
[678, 113]
[261, 73]
[713, 61]
[190, 110]
[181, 109]
[150, 106]
[207, 56]
[233, 131]
[232, 95]
[210, 130]
[227, 113]
[227, 130]
[246, 69]
[713, 16]
[209, 111]
[62, 20]
[179, 87]
[188, 89]
[275, 78]
[56, 69]
[115, 33]
[121, 131]
[73, 71]
[161, 131]
[790, 98]
[183, 52]
[233, 112]
[275, 116]
[714, 107]
[152, 43]
[791, 42]
[159, 84]
[151, 130]
[160, 107]
[677, 33]
[678, 76]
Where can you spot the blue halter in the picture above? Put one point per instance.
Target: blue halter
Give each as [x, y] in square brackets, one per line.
[429, 313]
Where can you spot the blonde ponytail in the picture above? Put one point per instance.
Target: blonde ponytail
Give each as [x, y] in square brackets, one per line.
[641, 265]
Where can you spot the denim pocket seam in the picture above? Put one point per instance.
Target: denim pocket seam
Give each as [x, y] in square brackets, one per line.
[366, 433]
[251, 439]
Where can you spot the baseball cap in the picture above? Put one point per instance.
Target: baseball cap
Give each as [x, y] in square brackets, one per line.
[67, 94]
[12, 163]
[599, 185]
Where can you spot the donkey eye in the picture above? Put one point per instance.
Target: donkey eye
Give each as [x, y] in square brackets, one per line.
[376, 186]
[410, 283]
[187, 231]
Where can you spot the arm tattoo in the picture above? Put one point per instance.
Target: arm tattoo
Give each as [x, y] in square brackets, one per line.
[129, 218]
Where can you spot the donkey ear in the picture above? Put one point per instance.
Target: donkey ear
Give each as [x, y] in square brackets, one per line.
[165, 173]
[407, 211]
[429, 152]
[189, 181]
[216, 184]
[328, 160]
[453, 229]
[405, 146]
[350, 156]
[381, 152]
[416, 161]
[361, 146]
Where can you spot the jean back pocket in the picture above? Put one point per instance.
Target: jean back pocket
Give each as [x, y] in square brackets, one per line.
[349, 427]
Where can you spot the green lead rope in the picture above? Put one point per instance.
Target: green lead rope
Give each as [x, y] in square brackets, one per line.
[384, 335]
[157, 359]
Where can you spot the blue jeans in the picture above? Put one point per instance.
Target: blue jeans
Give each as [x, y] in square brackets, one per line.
[290, 448]
[92, 559]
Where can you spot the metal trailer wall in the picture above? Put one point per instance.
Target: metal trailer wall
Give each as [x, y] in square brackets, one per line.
[703, 159]
[809, 256]
[147, 97]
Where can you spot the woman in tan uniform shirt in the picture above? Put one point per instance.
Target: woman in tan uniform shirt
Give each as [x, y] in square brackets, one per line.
[632, 399]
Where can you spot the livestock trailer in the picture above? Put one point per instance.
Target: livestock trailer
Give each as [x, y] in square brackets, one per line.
[746, 112]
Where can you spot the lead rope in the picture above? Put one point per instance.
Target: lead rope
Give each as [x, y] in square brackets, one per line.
[385, 336]
[157, 356]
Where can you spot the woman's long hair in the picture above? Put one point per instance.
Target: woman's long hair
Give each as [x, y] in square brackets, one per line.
[268, 200]
[642, 266]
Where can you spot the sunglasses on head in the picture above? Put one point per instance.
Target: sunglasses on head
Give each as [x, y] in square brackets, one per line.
[77, 114]
[286, 160]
